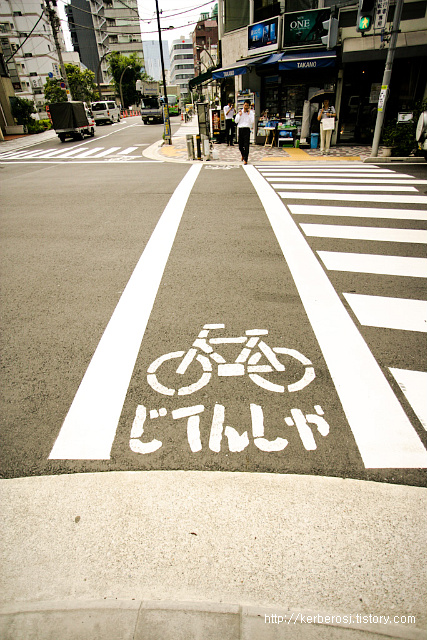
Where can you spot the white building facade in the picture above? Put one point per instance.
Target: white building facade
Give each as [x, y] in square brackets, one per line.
[29, 60]
[182, 64]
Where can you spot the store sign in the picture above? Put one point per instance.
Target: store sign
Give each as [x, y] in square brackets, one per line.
[304, 27]
[264, 36]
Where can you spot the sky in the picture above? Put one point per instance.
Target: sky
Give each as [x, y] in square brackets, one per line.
[180, 14]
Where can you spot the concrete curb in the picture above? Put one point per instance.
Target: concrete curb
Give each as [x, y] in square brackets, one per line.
[384, 159]
[153, 619]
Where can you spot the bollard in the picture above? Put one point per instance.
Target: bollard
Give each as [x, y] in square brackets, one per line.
[198, 147]
[190, 147]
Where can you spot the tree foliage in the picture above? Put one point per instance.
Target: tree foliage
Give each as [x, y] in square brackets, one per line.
[22, 110]
[82, 86]
[118, 67]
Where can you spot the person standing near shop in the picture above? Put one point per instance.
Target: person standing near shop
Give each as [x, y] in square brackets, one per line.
[325, 131]
[245, 121]
[229, 113]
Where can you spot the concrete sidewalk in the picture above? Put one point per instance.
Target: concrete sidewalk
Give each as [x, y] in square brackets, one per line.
[177, 152]
[208, 555]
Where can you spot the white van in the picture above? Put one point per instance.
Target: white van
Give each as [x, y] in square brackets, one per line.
[105, 111]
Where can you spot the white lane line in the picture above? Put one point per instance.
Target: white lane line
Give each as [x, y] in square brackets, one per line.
[381, 429]
[90, 152]
[395, 199]
[414, 386]
[324, 174]
[389, 313]
[344, 187]
[107, 152]
[322, 165]
[357, 212]
[350, 179]
[90, 426]
[370, 263]
[381, 234]
[130, 149]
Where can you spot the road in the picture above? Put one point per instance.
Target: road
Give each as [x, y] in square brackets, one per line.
[298, 294]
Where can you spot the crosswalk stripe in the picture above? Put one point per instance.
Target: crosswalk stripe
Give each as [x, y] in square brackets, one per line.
[348, 232]
[126, 151]
[357, 212]
[396, 199]
[344, 187]
[324, 174]
[383, 432]
[63, 154]
[322, 165]
[371, 263]
[414, 386]
[329, 180]
[389, 313]
[107, 152]
[89, 152]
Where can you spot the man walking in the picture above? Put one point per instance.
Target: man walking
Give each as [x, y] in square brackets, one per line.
[245, 121]
[229, 113]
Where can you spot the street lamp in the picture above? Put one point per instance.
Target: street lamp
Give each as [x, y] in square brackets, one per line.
[120, 83]
[206, 51]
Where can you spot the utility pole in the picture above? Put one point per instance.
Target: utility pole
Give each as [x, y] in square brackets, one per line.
[385, 88]
[168, 135]
[55, 25]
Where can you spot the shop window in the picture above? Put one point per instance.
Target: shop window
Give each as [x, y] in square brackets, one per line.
[236, 15]
[302, 5]
[264, 9]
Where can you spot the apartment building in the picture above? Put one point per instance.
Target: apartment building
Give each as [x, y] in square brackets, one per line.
[99, 27]
[182, 64]
[28, 48]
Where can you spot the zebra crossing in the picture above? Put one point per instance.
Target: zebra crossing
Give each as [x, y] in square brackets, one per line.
[77, 153]
[366, 241]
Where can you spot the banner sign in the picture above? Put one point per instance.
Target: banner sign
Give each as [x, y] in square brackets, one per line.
[264, 36]
[381, 13]
[304, 27]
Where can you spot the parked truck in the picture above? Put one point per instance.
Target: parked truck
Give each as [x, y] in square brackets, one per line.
[151, 102]
[71, 119]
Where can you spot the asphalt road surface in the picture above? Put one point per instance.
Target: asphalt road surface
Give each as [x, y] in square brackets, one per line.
[168, 316]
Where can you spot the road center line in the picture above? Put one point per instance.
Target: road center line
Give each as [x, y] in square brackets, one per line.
[383, 433]
[90, 426]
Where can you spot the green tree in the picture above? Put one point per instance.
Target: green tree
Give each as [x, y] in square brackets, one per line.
[118, 64]
[82, 86]
[53, 92]
[82, 83]
[22, 110]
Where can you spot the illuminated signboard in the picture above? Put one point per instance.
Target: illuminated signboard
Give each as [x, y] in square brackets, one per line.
[264, 36]
[304, 27]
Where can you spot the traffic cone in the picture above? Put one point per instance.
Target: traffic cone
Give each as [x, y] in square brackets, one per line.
[182, 115]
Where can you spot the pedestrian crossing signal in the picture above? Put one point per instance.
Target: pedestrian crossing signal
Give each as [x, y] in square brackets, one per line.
[365, 15]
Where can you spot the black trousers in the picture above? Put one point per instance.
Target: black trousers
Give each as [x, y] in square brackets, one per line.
[229, 129]
[244, 140]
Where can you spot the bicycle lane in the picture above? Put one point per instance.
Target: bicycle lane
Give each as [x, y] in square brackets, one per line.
[226, 272]
[226, 268]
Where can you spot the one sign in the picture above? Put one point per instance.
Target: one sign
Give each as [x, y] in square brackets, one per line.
[304, 27]
[375, 92]
[308, 60]
[50, 74]
[56, 70]
[381, 14]
[62, 85]
[264, 36]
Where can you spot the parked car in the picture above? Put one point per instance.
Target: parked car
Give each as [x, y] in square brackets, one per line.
[106, 111]
[421, 133]
[71, 119]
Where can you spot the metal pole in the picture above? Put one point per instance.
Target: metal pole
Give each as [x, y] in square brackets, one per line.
[167, 121]
[387, 78]
[120, 84]
[54, 23]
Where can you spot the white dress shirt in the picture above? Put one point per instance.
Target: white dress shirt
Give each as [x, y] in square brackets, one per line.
[247, 119]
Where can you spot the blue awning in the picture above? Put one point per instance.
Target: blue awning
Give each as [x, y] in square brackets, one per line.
[307, 60]
[238, 68]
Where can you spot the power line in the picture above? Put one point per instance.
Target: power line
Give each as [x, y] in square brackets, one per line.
[22, 43]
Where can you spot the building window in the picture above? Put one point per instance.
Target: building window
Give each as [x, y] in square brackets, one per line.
[17, 13]
[302, 5]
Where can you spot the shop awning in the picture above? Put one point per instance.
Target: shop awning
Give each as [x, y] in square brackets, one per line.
[307, 60]
[238, 68]
[200, 79]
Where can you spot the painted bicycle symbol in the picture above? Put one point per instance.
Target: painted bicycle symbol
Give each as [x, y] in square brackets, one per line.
[253, 349]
